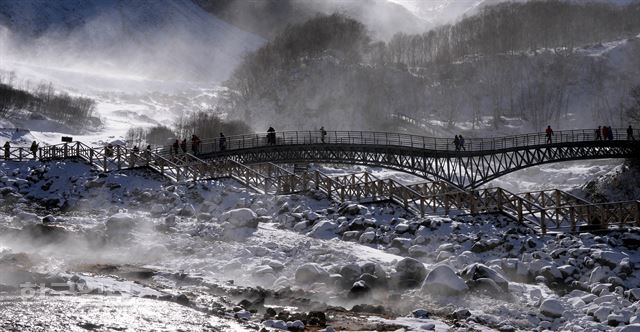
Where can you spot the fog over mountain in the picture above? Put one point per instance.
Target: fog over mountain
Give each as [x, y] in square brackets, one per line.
[173, 39]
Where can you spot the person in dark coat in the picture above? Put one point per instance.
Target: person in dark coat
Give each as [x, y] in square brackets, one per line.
[461, 140]
[323, 133]
[176, 146]
[195, 144]
[222, 142]
[599, 133]
[34, 149]
[183, 145]
[456, 142]
[630, 134]
[7, 150]
[271, 136]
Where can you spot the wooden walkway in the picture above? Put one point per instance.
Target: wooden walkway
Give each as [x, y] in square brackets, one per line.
[551, 210]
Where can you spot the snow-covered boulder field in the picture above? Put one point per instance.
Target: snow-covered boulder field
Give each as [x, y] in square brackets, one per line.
[302, 261]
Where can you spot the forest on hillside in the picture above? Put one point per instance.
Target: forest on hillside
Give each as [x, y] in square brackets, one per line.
[541, 62]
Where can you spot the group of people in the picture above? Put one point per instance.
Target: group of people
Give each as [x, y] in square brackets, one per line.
[7, 149]
[458, 141]
[604, 133]
[195, 145]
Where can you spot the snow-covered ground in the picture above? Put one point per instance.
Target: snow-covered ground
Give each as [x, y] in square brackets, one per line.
[217, 255]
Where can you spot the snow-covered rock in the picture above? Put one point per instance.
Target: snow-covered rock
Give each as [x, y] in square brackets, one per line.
[552, 308]
[242, 217]
[309, 273]
[323, 229]
[410, 273]
[443, 280]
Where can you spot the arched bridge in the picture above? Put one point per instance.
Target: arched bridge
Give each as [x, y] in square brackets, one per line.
[479, 161]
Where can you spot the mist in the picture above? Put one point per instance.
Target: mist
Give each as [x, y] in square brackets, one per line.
[142, 40]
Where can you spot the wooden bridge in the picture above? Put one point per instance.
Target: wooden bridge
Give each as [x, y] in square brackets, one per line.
[247, 159]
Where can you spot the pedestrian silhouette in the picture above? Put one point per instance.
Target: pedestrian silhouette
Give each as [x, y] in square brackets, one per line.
[323, 133]
[548, 134]
[461, 140]
[222, 142]
[271, 136]
[599, 133]
[7, 150]
[456, 142]
[630, 134]
[34, 149]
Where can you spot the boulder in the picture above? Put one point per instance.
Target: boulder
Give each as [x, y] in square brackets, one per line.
[410, 273]
[367, 237]
[323, 229]
[242, 217]
[551, 308]
[310, 273]
[350, 273]
[477, 271]
[443, 281]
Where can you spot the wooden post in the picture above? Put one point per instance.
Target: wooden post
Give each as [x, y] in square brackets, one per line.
[20, 153]
[118, 156]
[90, 156]
[543, 225]
[572, 215]
[637, 213]
[520, 215]
[558, 204]
[66, 150]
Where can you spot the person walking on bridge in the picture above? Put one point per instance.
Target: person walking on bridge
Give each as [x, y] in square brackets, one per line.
[323, 133]
[599, 133]
[222, 142]
[176, 147]
[34, 149]
[461, 140]
[456, 142]
[183, 145]
[195, 144]
[548, 134]
[271, 136]
[7, 150]
[630, 134]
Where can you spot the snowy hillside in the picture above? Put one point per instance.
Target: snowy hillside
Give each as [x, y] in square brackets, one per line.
[445, 11]
[171, 40]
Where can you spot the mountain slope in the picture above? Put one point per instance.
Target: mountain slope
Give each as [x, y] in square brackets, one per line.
[172, 39]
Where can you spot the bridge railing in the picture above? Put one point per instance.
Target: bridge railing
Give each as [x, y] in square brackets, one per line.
[231, 143]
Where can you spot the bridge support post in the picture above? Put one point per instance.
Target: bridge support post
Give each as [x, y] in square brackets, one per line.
[90, 156]
[520, 216]
[558, 204]
[20, 153]
[66, 151]
[637, 213]
[572, 215]
[77, 149]
[118, 160]
[543, 223]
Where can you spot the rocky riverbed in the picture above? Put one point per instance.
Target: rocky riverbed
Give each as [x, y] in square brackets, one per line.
[83, 250]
